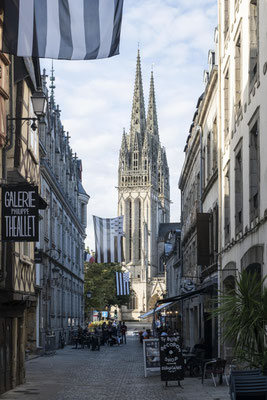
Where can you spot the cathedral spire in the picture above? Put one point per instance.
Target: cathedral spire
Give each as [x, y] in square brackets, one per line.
[52, 87]
[152, 120]
[138, 120]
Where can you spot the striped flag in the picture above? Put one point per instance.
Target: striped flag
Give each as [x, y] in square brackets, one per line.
[108, 239]
[62, 29]
[88, 258]
[122, 283]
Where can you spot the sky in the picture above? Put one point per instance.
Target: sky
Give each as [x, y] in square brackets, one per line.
[95, 96]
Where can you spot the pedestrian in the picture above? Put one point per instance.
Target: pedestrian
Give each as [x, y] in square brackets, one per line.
[123, 332]
[119, 333]
[145, 334]
[114, 334]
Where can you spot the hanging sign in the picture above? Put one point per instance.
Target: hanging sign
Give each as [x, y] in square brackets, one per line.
[20, 205]
[171, 358]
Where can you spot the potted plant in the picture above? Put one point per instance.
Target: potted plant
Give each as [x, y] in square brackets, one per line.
[243, 315]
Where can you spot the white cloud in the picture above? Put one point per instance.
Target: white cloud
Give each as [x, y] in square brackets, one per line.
[96, 96]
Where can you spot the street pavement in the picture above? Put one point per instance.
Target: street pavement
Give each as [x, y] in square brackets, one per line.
[115, 373]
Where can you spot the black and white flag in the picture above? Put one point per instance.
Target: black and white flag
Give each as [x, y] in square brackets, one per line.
[122, 283]
[108, 239]
[62, 29]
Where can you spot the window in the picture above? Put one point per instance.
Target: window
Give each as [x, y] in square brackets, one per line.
[254, 176]
[208, 156]
[226, 105]
[253, 39]
[227, 205]
[139, 230]
[133, 304]
[135, 161]
[25, 249]
[238, 60]
[130, 229]
[238, 192]
[203, 162]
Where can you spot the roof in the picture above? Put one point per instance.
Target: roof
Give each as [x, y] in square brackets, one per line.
[81, 189]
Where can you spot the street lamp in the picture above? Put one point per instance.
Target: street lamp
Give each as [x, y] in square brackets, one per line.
[39, 104]
[89, 294]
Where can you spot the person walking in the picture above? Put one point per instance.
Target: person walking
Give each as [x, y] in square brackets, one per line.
[119, 333]
[123, 332]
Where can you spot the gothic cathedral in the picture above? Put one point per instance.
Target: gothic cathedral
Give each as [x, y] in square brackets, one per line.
[144, 200]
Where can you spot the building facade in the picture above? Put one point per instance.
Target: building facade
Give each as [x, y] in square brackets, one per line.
[19, 79]
[60, 270]
[225, 232]
[143, 199]
[243, 175]
[199, 198]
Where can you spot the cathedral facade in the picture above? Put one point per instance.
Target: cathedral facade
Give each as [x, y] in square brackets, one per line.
[143, 200]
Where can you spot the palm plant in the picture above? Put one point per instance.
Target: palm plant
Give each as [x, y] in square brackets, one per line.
[243, 314]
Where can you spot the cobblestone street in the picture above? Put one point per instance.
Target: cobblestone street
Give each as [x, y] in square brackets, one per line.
[115, 373]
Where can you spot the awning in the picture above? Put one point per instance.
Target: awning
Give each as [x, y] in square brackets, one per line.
[156, 310]
[206, 287]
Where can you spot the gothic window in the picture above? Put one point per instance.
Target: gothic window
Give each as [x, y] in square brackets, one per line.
[139, 229]
[253, 56]
[238, 68]
[227, 205]
[254, 175]
[159, 185]
[133, 304]
[130, 229]
[135, 161]
[226, 105]
[238, 191]
[145, 164]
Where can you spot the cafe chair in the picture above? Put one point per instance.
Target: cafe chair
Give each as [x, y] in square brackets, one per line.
[215, 367]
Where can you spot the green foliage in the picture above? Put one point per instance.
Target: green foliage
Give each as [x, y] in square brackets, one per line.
[243, 313]
[100, 281]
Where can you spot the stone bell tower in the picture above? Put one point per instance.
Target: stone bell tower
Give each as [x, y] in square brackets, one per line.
[143, 198]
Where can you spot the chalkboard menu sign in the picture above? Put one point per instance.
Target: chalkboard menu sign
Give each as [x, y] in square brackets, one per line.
[151, 355]
[171, 358]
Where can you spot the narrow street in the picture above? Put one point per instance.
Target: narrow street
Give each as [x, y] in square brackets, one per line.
[115, 373]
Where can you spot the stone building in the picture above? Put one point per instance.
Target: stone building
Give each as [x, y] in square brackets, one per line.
[19, 79]
[143, 199]
[59, 272]
[243, 175]
[199, 193]
[226, 145]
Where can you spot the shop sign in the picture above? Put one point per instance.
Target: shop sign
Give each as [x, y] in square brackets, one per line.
[20, 206]
[171, 358]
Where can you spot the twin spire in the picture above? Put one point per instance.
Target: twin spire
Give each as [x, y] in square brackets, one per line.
[139, 125]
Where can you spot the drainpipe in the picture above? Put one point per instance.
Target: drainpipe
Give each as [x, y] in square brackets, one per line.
[219, 157]
[199, 130]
